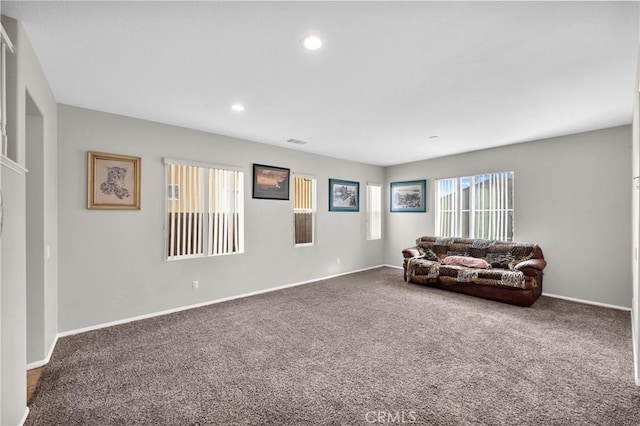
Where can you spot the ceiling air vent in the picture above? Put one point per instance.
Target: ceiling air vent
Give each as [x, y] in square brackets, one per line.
[296, 141]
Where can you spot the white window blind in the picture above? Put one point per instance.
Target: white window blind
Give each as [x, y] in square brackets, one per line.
[304, 209]
[447, 207]
[374, 211]
[205, 211]
[225, 211]
[479, 206]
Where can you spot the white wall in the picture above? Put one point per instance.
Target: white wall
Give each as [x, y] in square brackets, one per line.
[571, 197]
[635, 231]
[14, 354]
[41, 226]
[35, 236]
[25, 75]
[112, 266]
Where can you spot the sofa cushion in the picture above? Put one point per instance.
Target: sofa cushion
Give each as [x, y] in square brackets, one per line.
[444, 241]
[430, 255]
[451, 274]
[421, 267]
[522, 251]
[501, 260]
[504, 278]
[458, 249]
[478, 252]
[440, 251]
[483, 244]
[470, 262]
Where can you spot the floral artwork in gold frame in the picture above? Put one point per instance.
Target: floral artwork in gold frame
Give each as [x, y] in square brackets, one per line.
[113, 181]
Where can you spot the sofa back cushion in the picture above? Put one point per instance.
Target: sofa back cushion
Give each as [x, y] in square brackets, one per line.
[429, 254]
[500, 254]
[502, 260]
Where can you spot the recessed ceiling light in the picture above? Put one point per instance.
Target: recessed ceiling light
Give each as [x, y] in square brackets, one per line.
[237, 107]
[312, 42]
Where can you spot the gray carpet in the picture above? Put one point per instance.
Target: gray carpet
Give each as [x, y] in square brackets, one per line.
[361, 349]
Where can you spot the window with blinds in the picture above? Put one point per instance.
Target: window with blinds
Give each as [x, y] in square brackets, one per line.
[374, 211]
[204, 209]
[304, 210]
[479, 206]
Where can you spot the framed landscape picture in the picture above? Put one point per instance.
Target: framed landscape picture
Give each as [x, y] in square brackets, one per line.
[270, 183]
[113, 181]
[344, 196]
[409, 196]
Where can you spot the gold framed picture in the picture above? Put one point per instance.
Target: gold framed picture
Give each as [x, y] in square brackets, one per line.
[113, 181]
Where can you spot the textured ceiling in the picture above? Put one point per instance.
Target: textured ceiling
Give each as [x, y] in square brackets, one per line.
[389, 76]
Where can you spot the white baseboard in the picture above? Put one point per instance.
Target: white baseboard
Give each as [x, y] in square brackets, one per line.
[393, 266]
[587, 302]
[38, 364]
[636, 355]
[24, 416]
[207, 303]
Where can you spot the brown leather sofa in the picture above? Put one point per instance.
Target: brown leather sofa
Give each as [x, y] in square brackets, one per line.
[514, 275]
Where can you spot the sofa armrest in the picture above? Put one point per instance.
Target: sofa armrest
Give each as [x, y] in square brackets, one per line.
[410, 252]
[531, 264]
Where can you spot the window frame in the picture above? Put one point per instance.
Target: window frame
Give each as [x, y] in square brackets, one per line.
[205, 197]
[370, 212]
[459, 207]
[314, 208]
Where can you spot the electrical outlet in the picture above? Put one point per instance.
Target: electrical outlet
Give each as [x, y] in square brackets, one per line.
[338, 261]
[194, 285]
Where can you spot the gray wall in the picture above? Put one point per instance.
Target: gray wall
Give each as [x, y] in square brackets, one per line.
[112, 266]
[571, 197]
[25, 75]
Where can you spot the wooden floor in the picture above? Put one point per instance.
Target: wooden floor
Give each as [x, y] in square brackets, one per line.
[32, 381]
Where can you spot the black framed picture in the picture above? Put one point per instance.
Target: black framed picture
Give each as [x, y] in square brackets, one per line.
[409, 196]
[344, 195]
[270, 183]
